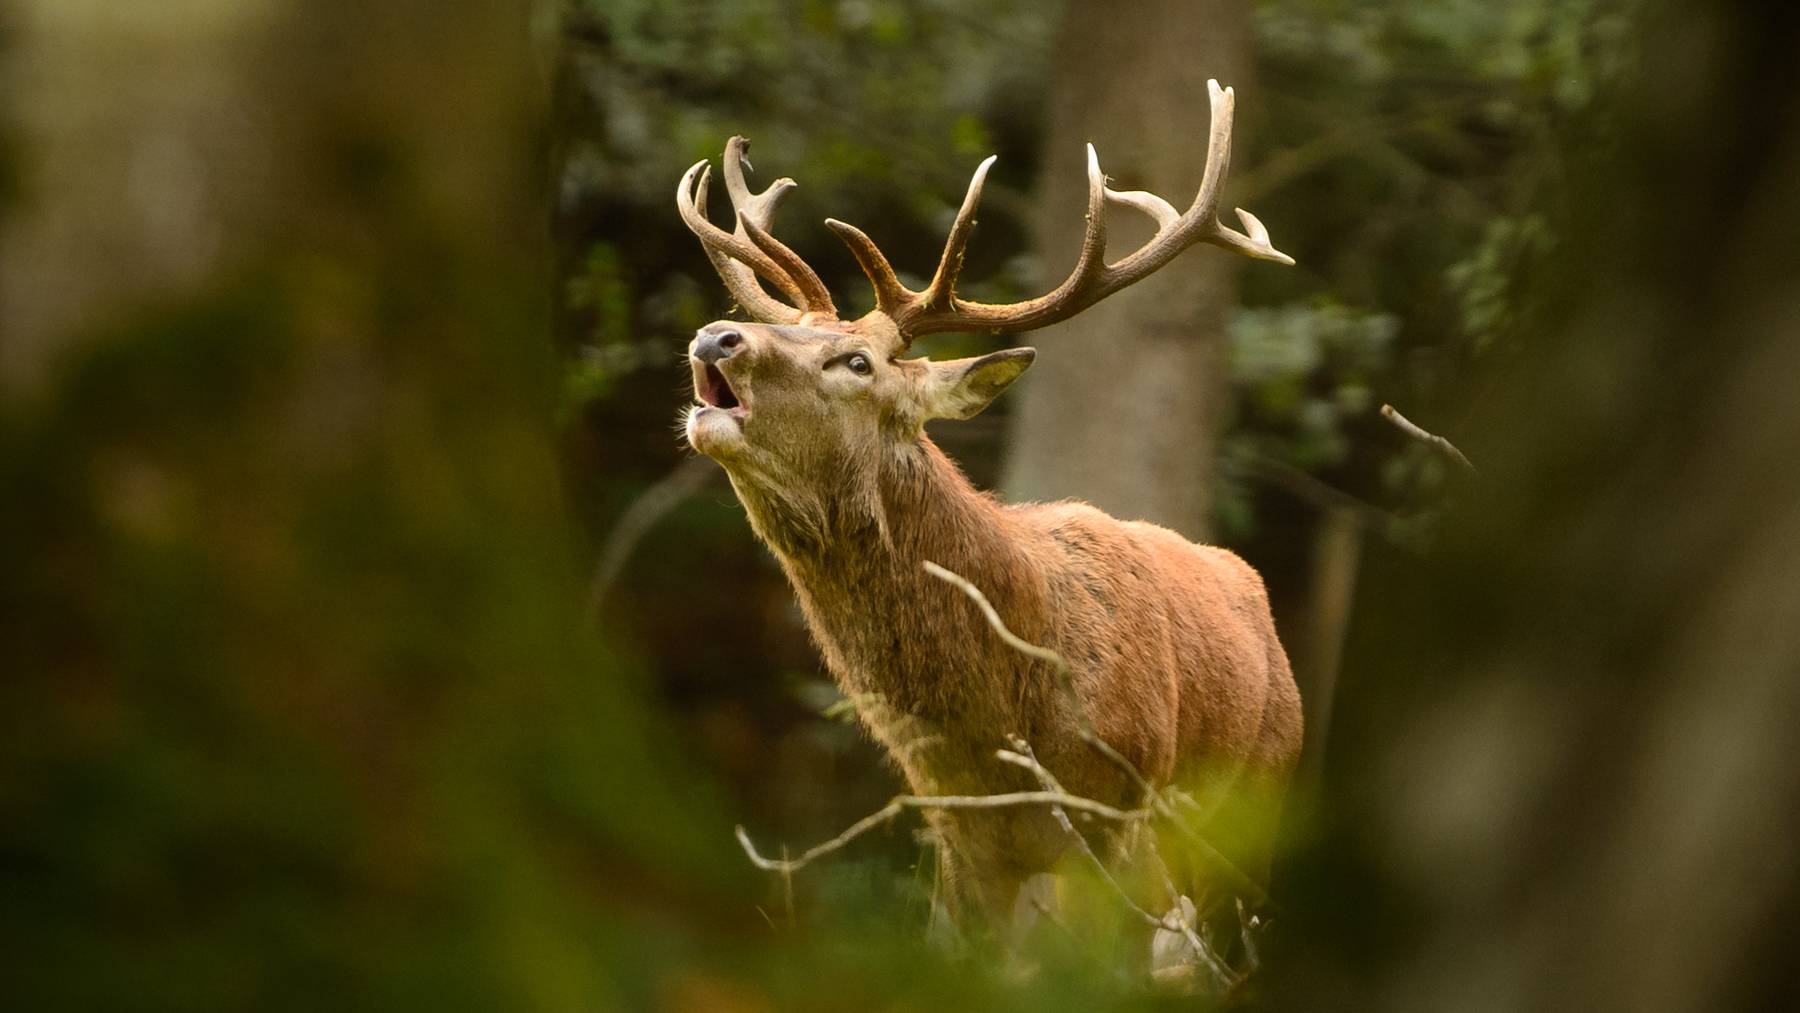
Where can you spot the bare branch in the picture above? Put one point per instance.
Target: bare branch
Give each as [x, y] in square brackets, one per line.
[1215, 964]
[1247, 926]
[901, 803]
[1317, 493]
[652, 506]
[1438, 443]
[1022, 756]
[1012, 639]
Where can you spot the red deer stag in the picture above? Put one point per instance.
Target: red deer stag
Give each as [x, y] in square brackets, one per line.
[819, 423]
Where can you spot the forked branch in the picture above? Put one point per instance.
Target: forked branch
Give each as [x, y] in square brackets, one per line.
[1176, 920]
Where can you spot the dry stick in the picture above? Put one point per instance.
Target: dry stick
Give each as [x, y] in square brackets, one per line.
[1246, 923]
[1321, 495]
[1436, 442]
[655, 503]
[1065, 675]
[1214, 963]
[1022, 756]
[901, 803]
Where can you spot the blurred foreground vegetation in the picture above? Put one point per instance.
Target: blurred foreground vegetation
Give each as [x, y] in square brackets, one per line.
[311, 431]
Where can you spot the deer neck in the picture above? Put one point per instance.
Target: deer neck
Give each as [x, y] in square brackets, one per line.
[887, 629]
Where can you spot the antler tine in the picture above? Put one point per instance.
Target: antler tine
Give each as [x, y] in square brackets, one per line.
[756, 212]
[814, 296]
[760, 207]
[893, 298]
[1256, 244]
[1091, 263]
[942, 289]
[734, 257]
[1200, 222]
[1150, 204]
[890, 295]
[1223, 103]
[1070, 297]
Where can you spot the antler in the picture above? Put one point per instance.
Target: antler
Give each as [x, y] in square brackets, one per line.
[748, 251]
[938, 308]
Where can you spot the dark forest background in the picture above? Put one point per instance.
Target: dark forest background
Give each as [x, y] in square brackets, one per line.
[369, 640]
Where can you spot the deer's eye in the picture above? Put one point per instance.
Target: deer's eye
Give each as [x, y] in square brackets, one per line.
[859, 364]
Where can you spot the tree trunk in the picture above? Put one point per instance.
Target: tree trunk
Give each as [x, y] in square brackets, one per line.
[1124, 406]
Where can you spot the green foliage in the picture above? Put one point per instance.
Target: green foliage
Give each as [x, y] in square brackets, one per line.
[1555, 50]
[1428, 130]
[1487, 281]
[1302, 376]
[880, 109]
[1301, 372]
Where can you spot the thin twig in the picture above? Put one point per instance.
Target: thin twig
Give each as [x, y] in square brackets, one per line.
[1176, 920]
[1013, 641]
[1215, 964]
[1318, 493]
[901, 803]
[650, 507]
[1438, 443]
[1022, 756]
[1246, 924]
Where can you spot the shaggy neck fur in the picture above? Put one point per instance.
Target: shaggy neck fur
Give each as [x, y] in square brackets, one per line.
[902, 644]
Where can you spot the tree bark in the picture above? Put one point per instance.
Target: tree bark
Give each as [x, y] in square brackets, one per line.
[1124, 406]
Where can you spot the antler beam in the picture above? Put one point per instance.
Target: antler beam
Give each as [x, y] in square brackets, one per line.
[937, 308]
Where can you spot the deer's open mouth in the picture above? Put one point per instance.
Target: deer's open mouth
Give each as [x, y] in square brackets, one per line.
[714, 391]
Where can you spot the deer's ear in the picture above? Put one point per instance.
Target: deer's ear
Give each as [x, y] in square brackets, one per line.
[961, 388]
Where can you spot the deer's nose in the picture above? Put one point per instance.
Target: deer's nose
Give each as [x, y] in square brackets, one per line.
[711, 346]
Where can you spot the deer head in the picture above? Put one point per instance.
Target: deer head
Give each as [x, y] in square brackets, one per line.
[802, 400]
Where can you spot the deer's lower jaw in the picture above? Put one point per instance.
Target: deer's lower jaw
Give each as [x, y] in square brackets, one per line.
[716, 431]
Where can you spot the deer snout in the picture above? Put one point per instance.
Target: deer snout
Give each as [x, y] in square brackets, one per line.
[711, 346]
